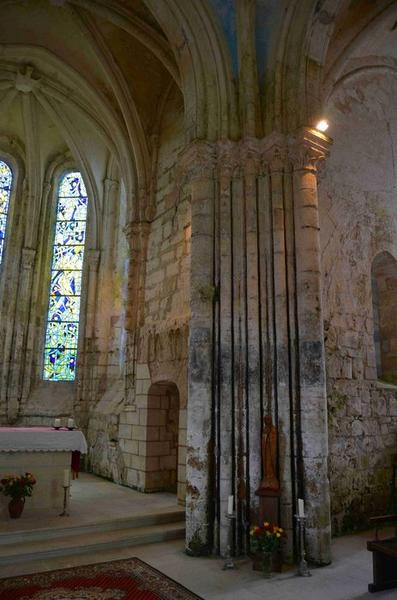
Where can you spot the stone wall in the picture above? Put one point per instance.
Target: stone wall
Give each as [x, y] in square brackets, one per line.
[358, 221]
[160, 348]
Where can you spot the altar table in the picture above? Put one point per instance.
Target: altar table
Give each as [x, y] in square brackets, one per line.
[46, 453]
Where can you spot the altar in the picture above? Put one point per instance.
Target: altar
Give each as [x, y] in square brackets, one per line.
[46, 453]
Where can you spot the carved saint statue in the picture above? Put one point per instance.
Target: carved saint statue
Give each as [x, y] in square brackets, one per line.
[269, 456]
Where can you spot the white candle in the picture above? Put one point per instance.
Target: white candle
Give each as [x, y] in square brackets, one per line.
[230, 505]
[301, 508]
[70, 423]
[57, 422]
[66, 477]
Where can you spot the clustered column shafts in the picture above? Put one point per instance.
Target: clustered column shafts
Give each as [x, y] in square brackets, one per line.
[249, 305]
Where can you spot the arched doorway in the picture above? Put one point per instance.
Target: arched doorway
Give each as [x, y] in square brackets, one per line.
[162, 444]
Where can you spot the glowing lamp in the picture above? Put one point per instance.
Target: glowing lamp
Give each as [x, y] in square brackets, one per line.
[322, 125]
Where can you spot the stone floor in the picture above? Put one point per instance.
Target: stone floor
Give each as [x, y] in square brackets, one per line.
[93, 499]
[345, 579]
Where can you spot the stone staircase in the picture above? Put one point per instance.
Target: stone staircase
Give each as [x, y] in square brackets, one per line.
[22, 546]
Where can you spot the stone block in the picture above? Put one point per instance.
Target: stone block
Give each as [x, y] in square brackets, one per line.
[132, 477]
[158, 448]
[142, 386]
[125, 431]
[167, 462]
[130, 446]
[138, 462]
[138, 432]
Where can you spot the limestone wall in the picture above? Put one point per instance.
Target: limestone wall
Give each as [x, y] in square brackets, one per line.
[358, 221]
[161, 348]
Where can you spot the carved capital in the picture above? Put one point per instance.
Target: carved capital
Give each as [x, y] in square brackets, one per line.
[28, 256]
[275, 154]
[110, 185]
[251, 156]
[307, 148]
[227, 158]
[137, 234]
[197, 161]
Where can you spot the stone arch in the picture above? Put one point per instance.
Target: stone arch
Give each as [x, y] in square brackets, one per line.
[88, 102]
[205, 67]
[384, 302]
[313, 53]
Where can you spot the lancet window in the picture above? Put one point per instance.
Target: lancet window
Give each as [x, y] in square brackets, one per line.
[5, 193]
[62, 330]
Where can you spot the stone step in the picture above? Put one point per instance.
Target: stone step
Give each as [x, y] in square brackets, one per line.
[137, 521]
[83, 543]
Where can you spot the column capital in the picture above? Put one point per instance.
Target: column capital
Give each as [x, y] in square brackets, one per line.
[197, 160]
[227, 158]
[136, 233]
[275, 151]
[308, 147]
[251, 156]
[111, 185]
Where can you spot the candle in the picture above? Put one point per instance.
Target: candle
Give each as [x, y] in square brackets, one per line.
[70, 423]
[66, 477]
[301, 507]
[57, 422]
[230, 503]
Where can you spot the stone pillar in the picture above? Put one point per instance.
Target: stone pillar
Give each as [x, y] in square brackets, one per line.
[306, 150]
[87, 371]
[20, 331]
[197, 163]
[137, 234]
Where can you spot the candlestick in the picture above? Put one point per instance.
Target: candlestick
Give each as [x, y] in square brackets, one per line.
[66, 477]
[230, 564]
[57, 423]
[303, 569]
[230, 505]
[301, 507]
[70, 423]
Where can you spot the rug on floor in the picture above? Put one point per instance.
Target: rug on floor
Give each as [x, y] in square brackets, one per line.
[130, 579]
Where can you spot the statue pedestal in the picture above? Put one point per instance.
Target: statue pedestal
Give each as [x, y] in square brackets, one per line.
[269, 505]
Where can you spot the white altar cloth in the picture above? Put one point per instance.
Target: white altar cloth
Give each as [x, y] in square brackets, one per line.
[41, 439]
[45, 452]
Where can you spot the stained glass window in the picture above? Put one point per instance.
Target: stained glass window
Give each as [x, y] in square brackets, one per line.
[5, 192]
[60, 352]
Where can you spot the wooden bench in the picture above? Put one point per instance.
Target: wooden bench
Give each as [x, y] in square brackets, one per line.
[384, 556]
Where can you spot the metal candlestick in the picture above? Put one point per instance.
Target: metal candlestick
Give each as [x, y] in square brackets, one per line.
[65, 513]
[303, 569]
[230, 564]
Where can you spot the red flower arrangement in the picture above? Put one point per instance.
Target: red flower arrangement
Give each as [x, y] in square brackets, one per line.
[266, 538]
[17, 486]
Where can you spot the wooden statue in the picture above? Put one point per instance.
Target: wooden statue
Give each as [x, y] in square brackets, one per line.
[269, 489]
[269, 456]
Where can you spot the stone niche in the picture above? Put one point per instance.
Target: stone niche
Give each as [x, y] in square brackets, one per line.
[152, 436]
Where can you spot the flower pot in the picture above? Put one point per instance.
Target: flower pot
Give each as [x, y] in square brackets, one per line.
[276, 561]
[15, 507]
[267, 564]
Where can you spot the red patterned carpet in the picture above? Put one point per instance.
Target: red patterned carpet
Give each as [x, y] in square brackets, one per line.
[130, 579]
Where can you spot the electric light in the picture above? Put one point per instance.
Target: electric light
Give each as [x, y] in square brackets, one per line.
[322, 125]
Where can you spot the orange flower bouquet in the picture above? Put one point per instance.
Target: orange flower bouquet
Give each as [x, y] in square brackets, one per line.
[265, 541]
